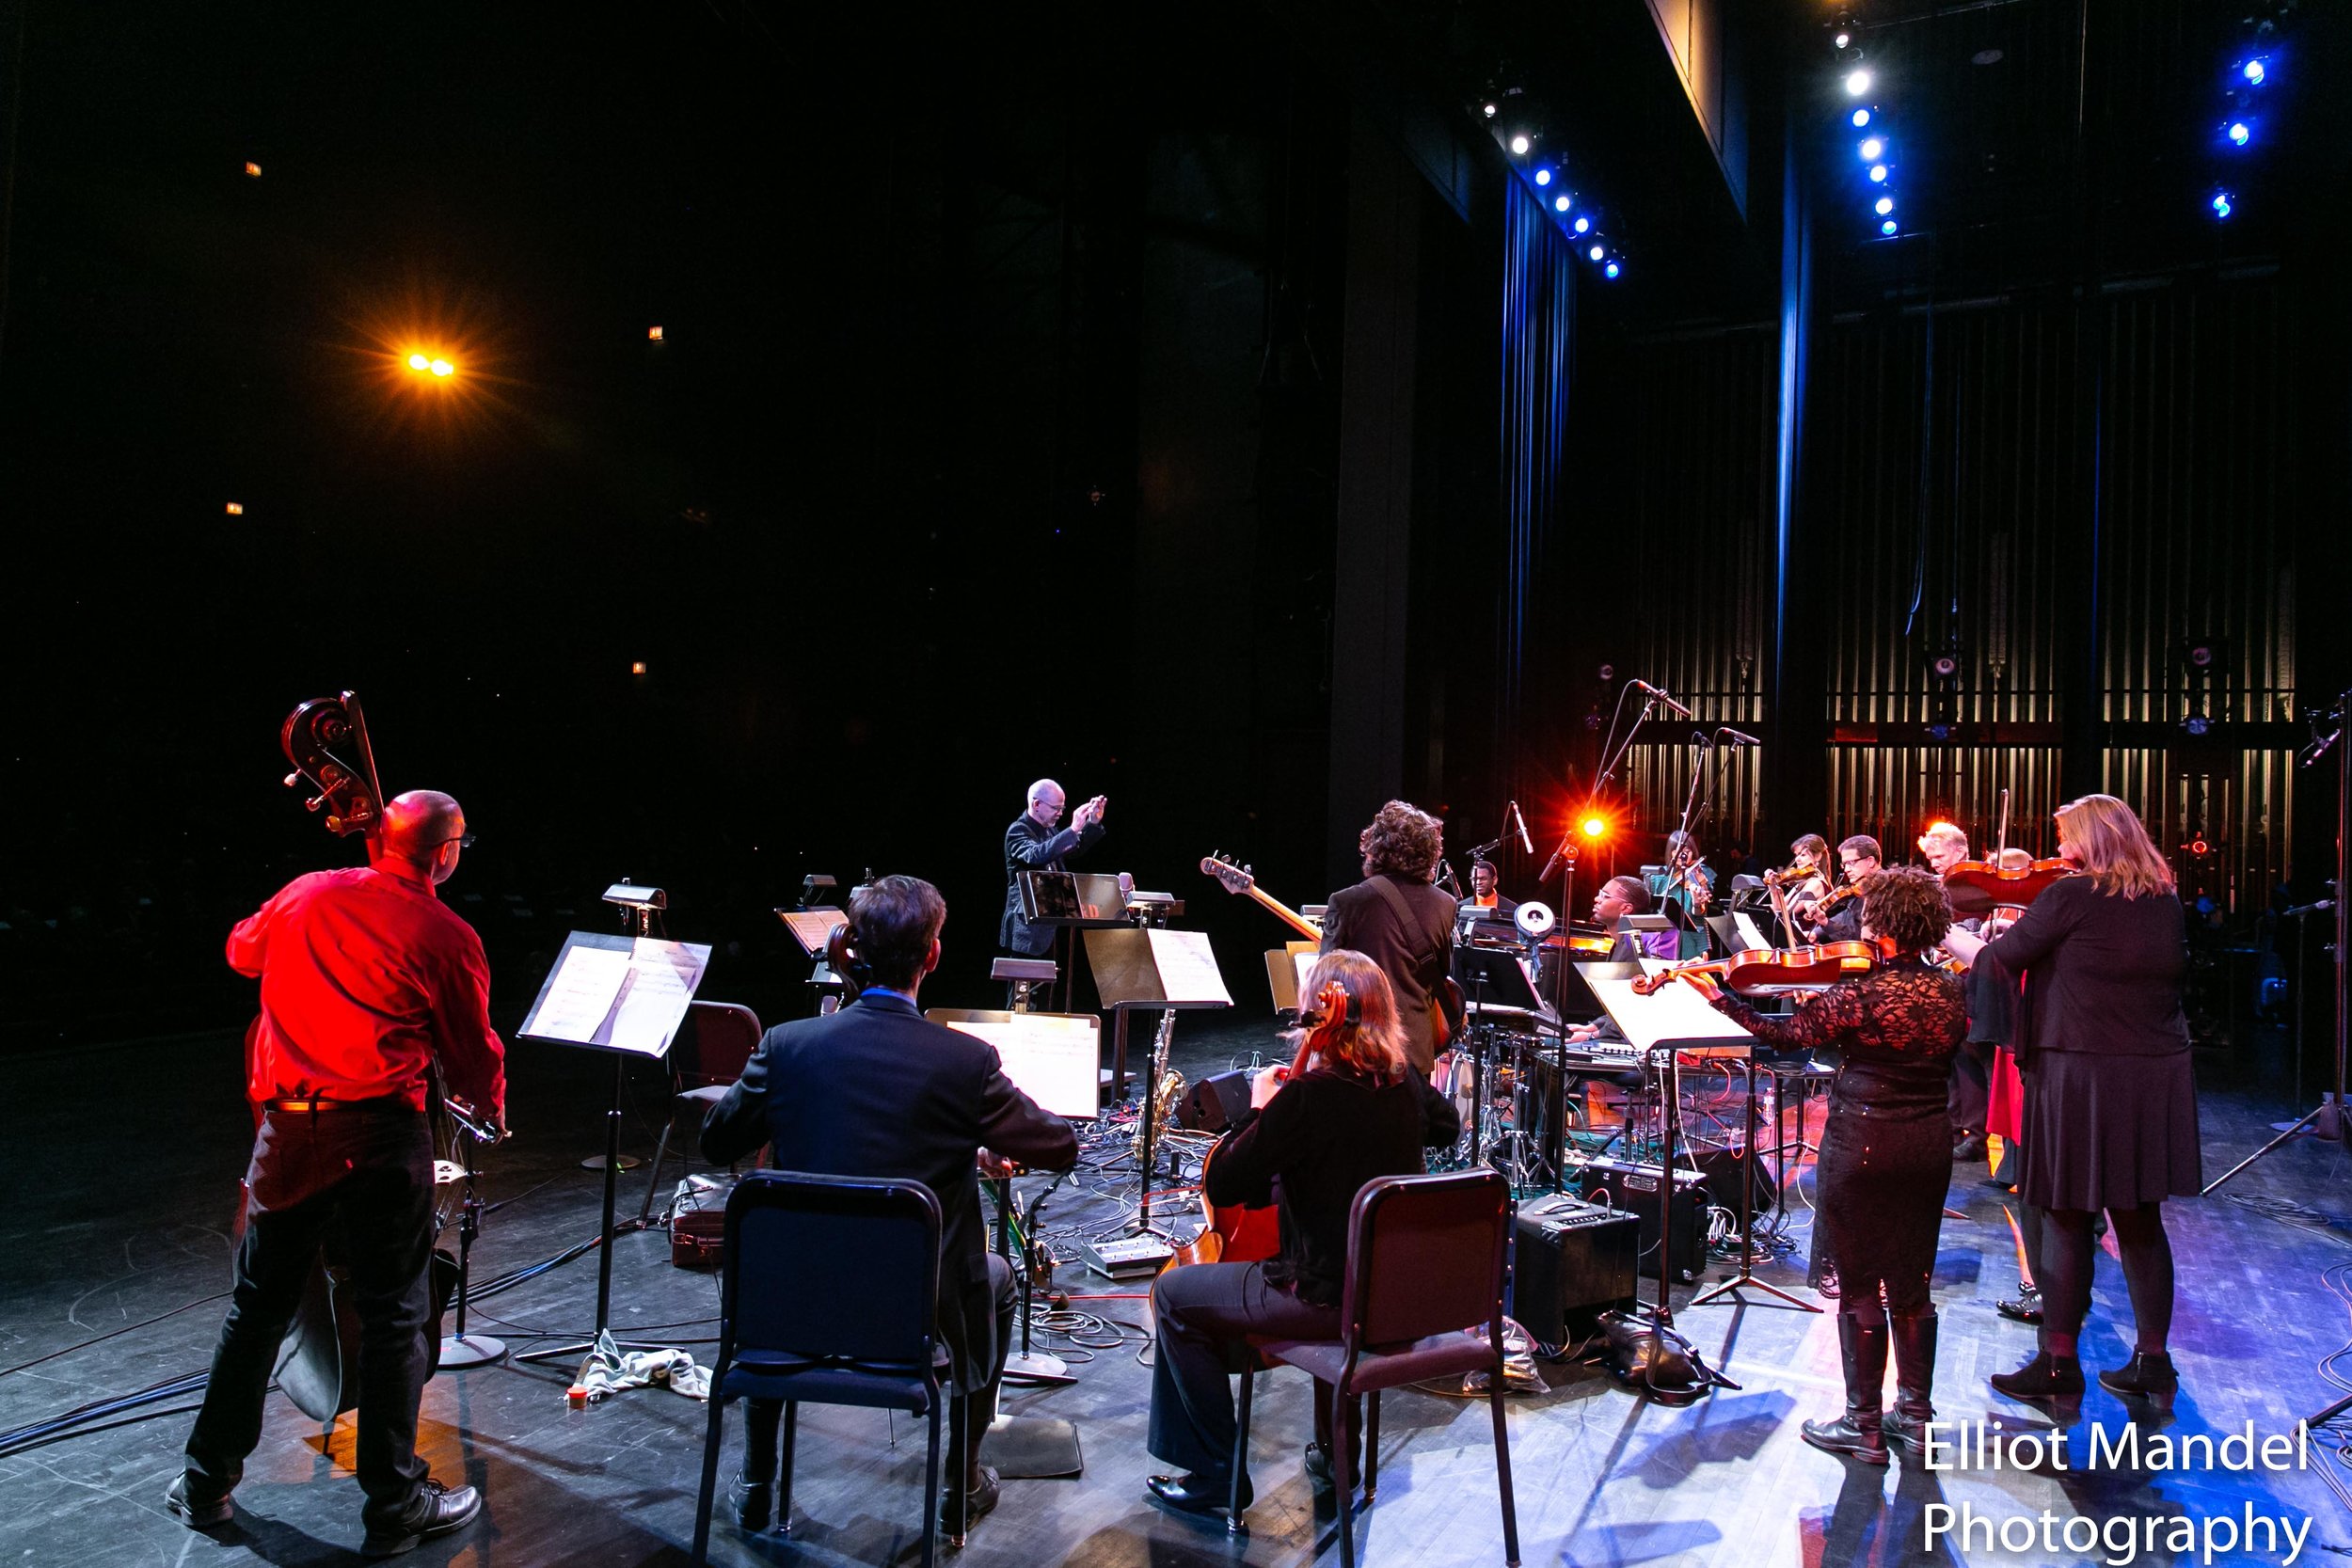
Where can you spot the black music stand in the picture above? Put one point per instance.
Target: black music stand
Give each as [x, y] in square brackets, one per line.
[638, 1017]
[1140, 969]
[1745, 1279]
[1072, 901]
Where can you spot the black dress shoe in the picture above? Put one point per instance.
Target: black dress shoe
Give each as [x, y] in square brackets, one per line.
[2026, 1308]
[2045, 1377]
[754, 1501]
[1969, 1147]
[438, 1509]
[2144, 1375]
[979, 1503]
[188, 1501]
[1324, 1489]
[1202, 1496]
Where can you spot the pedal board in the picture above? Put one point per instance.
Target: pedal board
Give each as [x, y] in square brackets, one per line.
[1127, 1257]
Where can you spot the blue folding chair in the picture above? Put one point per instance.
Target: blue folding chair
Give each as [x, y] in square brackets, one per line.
[786, 1335]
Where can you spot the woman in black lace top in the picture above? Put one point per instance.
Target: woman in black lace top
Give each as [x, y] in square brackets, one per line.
[1886, 1156]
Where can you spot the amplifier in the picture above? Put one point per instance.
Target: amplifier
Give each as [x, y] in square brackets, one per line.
[1126, 1257]
[1622, 1185]
[1571, 1261]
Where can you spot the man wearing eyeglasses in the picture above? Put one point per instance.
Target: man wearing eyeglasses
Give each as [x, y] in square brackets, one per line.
[367, 979]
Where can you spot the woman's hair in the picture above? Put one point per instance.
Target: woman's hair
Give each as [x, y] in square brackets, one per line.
[1373, 1045]
[1906, 905]
[2113, 846]
[1402, 841]
[1814, 848]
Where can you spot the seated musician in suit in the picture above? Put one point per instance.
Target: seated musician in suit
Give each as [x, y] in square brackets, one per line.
[1348, 1109]
[876, 1090]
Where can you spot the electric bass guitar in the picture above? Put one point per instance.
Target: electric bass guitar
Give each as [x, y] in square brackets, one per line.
[1236, 880]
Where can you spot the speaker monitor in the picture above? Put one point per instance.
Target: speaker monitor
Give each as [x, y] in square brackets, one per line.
[1623, 1184]
[1571, 1261]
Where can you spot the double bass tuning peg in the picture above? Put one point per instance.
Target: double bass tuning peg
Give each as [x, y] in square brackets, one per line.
[292, 779]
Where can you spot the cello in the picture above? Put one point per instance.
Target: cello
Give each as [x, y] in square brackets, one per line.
[326, 742]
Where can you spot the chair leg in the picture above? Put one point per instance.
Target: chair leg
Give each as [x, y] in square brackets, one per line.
[1345, 1475]
[1241, 1448]
[931, 1491]
[1372, 1447]
[710, 1477]
[653, 1183]
[1503, 1472]
[783, 1491]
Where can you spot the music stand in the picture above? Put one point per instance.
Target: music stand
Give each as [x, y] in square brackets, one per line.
[1071, 901]
[624, 995]
[1151, 969]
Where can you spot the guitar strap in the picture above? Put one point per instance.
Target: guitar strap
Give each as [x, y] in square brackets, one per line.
[1441, 938]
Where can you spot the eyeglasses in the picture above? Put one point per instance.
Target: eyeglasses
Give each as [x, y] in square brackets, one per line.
[463, 841]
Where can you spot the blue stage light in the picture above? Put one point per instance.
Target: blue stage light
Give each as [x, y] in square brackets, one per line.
[1543, 177]
[1597, 252]
[1860, 119]
[1887, 227]
[1609, 271]
[1878, 174]
[1584, 224]
[1559, 203]
[2255, 71]
[1885, 205]
[2220, 204]
[1872, 149]
[2240, 133]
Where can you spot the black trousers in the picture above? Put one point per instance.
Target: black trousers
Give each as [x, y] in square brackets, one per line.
[1971, 1086]
[1202, 1312]
[761, 1417]
[370, 1171]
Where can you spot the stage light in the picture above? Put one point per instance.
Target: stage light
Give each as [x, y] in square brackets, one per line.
[1488, 109]
[1609, 271]
[1885, 205]
[1592, 827]
[1872, 149]
[252, 171]
[2239, 133]
[1543, 177]
[2220, 204]
[2254, 71]
[1596, 253]
[1878, 174]
[420, 362]
[443, 368]
[1519, 145]
[1860, 119]
[1887, 227]
[2195, 724]
[1582, 225]
[1559, 203]
[1843, 39]
[1857, 82]
[236, 508]
[653, 334]
[637, 667]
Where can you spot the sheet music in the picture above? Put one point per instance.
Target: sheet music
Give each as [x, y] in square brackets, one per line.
[1187, 968]
[1049, 1058]
[1751, 937]
[1672, 1012]
[661, 980]
[812, 928]
[1305, 964]
[581, 996]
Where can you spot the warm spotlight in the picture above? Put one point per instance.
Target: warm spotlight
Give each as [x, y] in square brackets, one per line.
[252, 171]
[1592, 827]
[420, 362]
[442, 366]
[236, 508]
[653, 334]
[637, 667]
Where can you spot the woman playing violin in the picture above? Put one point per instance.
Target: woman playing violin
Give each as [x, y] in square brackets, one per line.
[1885, 1156]
[1347, 1109]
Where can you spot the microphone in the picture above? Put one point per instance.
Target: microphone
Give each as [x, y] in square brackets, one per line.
[1740, 737]
[1527, 844]
[2313, 908]
[1660, 694]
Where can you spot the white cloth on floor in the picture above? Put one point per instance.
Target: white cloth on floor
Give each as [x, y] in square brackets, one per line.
[609, 1369]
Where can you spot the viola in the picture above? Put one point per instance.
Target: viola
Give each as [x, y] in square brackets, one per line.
[2013, 887]
[1770, 969]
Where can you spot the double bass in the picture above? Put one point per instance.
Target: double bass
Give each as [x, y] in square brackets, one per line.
[326, 743]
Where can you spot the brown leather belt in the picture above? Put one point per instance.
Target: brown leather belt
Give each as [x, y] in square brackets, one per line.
[385, 1103]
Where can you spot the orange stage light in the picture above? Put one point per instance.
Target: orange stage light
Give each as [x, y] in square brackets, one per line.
[638, 668]
[236, 508]
[1594, 827]
[420, 362]
[653, 334]
[442, 366]
[253, 170]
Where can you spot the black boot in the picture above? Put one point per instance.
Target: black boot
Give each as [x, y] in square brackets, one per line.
[1857, 1434]
[1914, 1379]
[2148, 1374]
[2045, 1377]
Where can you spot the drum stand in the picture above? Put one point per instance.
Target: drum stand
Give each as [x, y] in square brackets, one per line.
[1746, 1278]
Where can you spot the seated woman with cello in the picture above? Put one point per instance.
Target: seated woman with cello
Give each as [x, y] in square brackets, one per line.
[1885, 1155]
[1346, 1110]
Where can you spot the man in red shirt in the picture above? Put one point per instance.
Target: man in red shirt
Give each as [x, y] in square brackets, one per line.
[368, 980]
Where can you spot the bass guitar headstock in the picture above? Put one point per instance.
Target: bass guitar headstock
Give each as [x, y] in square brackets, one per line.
[1232, 878]
[327, 741]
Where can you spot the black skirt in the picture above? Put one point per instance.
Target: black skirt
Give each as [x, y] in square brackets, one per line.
[2107, 1132]
[1879, 1193]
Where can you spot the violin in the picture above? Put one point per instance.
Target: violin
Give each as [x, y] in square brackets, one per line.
[2010, 887]
[1764, 969]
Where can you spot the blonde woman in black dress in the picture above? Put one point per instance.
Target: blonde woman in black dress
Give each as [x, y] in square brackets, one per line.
[2110, 1119]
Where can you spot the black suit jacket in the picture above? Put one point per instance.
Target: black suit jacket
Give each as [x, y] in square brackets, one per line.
[1414, 955]
[877, 1090]
[1030, 846]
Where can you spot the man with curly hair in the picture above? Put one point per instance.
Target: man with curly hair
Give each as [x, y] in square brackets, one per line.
[1404, 923]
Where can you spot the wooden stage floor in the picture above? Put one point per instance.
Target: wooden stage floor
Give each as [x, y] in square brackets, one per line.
[109, 1230]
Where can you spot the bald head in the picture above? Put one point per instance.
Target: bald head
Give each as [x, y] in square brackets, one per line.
[1047, 801]
[422, 827]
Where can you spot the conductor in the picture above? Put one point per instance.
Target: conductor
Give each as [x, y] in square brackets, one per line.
[1032, 845]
